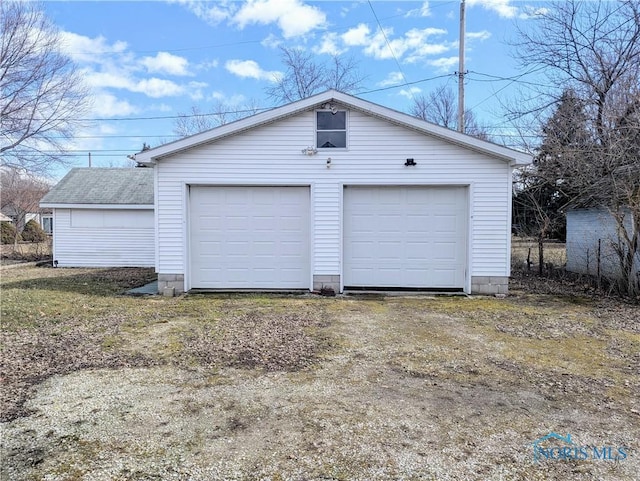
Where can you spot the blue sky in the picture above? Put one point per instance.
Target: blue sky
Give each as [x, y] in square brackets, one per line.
[146, 62]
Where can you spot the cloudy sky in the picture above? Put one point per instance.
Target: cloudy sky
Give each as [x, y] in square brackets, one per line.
[148, 61]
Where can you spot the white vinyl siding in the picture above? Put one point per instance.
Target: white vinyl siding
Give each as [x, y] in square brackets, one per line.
[376, 154]
[103, 238]
[111, 219]
[592, 235]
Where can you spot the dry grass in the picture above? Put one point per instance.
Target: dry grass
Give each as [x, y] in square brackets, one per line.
[301, 387]
[25, 251]
[522, 248]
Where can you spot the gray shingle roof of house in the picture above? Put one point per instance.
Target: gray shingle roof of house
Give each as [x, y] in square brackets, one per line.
[103, 186]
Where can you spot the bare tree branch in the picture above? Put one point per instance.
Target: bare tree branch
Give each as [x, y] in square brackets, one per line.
[41, 94]
[305, 75]
[220, 114]
[441, 107]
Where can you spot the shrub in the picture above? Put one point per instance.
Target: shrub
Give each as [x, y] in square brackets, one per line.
[32, 232]
[8, 233]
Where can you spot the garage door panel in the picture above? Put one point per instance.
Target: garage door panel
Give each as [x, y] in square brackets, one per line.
[445, 251]
[405, 237]
[249, 237]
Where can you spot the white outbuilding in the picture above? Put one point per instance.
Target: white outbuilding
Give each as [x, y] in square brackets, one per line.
[333, 191]
[103, 218]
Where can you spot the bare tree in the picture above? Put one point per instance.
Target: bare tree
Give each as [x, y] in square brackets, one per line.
[21, 194]
[592, 49]
[221, 113]
[41, 93]
[441, 107]
[305, 75]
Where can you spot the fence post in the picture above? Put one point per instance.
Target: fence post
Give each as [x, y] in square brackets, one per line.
[598, 261]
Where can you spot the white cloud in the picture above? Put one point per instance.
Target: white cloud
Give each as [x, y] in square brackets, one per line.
[357, 36]
[152, 87]
[444, 64]
[89, 50]
[235, 100]
[410, 92]
[107, 129]
[482, 35]
[271, 41]
[105, 65]
[156, 88]
[165, 62]
[117, 80]
[394, 78]
[381, 45]
[529, 12]
[329, 45]
[423, 11]
[212, 13]
[502, 7]
[194, 89]
[292, 16]
[108, 105]
[250, 69]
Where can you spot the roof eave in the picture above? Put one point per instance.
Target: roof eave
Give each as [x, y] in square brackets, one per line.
[514, 157]
[151, 156]
[60, 205]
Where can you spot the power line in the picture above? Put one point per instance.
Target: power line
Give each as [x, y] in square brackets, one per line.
[514, 79]
[406, 84]
[232, 112]
[386, 39]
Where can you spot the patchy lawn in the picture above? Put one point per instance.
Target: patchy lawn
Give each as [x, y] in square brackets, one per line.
[97, 385]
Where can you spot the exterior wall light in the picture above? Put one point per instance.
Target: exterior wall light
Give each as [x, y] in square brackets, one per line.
[410, 162]
[310, 151]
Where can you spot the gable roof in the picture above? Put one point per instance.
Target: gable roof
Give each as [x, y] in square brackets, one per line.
[97, 186]
[149, 157]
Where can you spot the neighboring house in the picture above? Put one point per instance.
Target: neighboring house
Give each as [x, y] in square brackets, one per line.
[333, 191]
[103, 218]
[44, 217]
[5, 218]
[592, 235]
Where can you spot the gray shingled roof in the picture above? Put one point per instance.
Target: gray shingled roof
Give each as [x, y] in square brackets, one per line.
[103, 186]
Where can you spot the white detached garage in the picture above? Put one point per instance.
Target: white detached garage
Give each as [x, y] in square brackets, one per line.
[103, 218]
[333, 191]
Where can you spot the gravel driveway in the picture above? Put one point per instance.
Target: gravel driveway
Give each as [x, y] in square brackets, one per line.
[306, 388]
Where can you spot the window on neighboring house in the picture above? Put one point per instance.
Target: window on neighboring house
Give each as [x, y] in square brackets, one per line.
[331, 130]
[47, 224]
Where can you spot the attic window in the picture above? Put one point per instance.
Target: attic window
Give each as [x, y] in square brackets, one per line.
[331, 129]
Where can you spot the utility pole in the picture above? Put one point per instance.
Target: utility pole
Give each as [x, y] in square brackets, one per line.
[461, 72]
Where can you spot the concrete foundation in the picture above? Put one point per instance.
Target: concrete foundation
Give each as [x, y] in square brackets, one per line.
[326, 281]
[170, 284]
[489, 285]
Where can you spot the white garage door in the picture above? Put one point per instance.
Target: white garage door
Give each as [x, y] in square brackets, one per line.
[249, 237]
[405, 237]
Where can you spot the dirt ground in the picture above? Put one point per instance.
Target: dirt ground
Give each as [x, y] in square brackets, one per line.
[245, 387]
